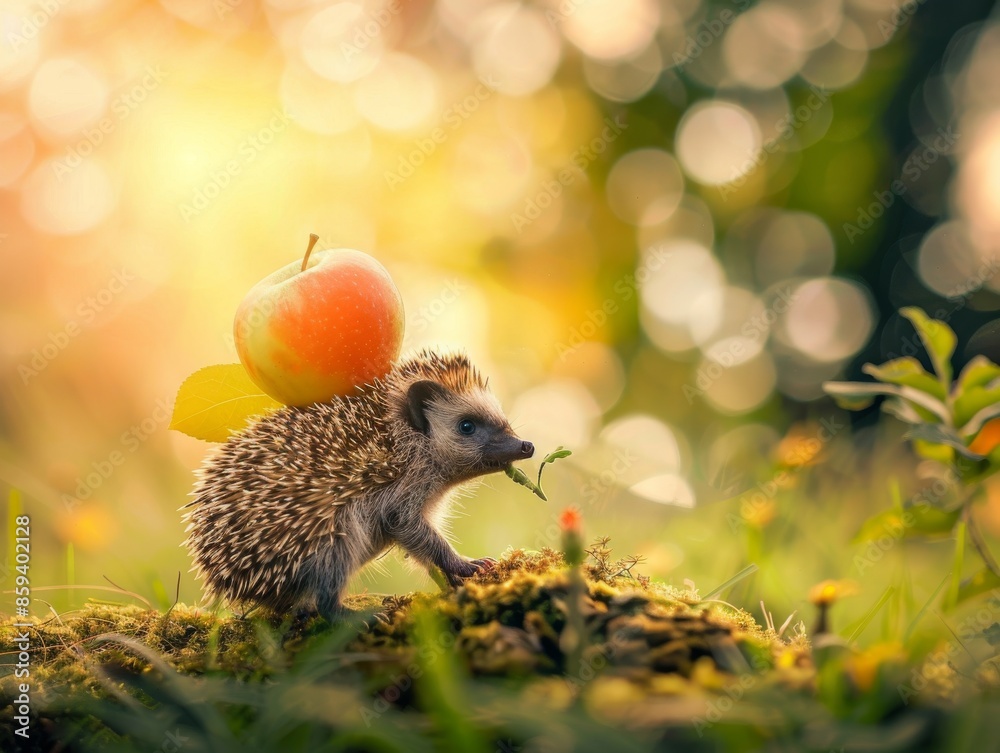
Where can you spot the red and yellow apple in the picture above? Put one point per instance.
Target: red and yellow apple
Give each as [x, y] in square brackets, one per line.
[320, 327]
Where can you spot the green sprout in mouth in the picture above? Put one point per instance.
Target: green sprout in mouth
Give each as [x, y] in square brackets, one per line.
[520, 477]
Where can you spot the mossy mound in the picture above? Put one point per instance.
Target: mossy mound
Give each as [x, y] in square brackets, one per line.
[518, 619]
[597, 656]
[530, 617]
[598, 640]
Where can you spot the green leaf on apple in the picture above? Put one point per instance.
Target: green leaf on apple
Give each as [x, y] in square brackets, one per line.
[218, 400]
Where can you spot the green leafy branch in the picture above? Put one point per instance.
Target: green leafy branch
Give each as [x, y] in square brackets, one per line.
[955, 421]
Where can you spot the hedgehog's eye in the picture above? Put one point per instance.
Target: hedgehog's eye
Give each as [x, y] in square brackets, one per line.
[467, 427]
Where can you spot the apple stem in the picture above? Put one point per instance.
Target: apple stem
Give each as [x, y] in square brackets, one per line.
[313, 238]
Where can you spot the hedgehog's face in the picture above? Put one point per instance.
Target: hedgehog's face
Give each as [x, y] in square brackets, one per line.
[468, 432]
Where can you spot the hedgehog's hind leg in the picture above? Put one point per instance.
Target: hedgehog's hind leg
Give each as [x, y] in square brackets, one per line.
[305, 610]
[328, 579]
[331, 606]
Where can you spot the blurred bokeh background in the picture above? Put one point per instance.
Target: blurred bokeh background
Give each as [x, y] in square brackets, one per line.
[658, 225]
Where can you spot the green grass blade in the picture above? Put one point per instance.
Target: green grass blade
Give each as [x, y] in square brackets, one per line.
[14, 510]
[744, 573]
[923, 610]
[896, 493]
[871, 613]
[956, 571]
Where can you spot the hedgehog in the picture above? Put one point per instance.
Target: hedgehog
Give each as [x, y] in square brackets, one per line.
[291, 507]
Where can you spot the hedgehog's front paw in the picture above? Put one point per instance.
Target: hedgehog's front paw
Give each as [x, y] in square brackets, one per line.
[459, 571]
[463, 569]
[485, 564]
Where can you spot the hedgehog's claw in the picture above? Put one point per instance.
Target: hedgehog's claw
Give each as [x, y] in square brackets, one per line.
[468, 568]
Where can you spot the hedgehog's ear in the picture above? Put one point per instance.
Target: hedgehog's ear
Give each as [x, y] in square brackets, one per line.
[418, 397]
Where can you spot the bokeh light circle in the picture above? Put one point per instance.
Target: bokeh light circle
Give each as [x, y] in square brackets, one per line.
[666, 489]
[560, 411]
[19, 53]
[66, 96]
[678, 273]
[647, 439]
[17, 148]
[840, 62]
[598, 367]
[739, 388]
[317, 104]
[794, 244]
[764, 46]
[517, 50]
[492, 170]
[609, 29]
[731, 326]
[827, 319]
[948, 261]
[624, 80]
[341, 42]
[67, 202]
[645, 186]
[717, 142]
[978, 180]
[692, 219]
[680, 284]
[399, 94]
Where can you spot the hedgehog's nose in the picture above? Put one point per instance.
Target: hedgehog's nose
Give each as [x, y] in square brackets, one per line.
[527, 449]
